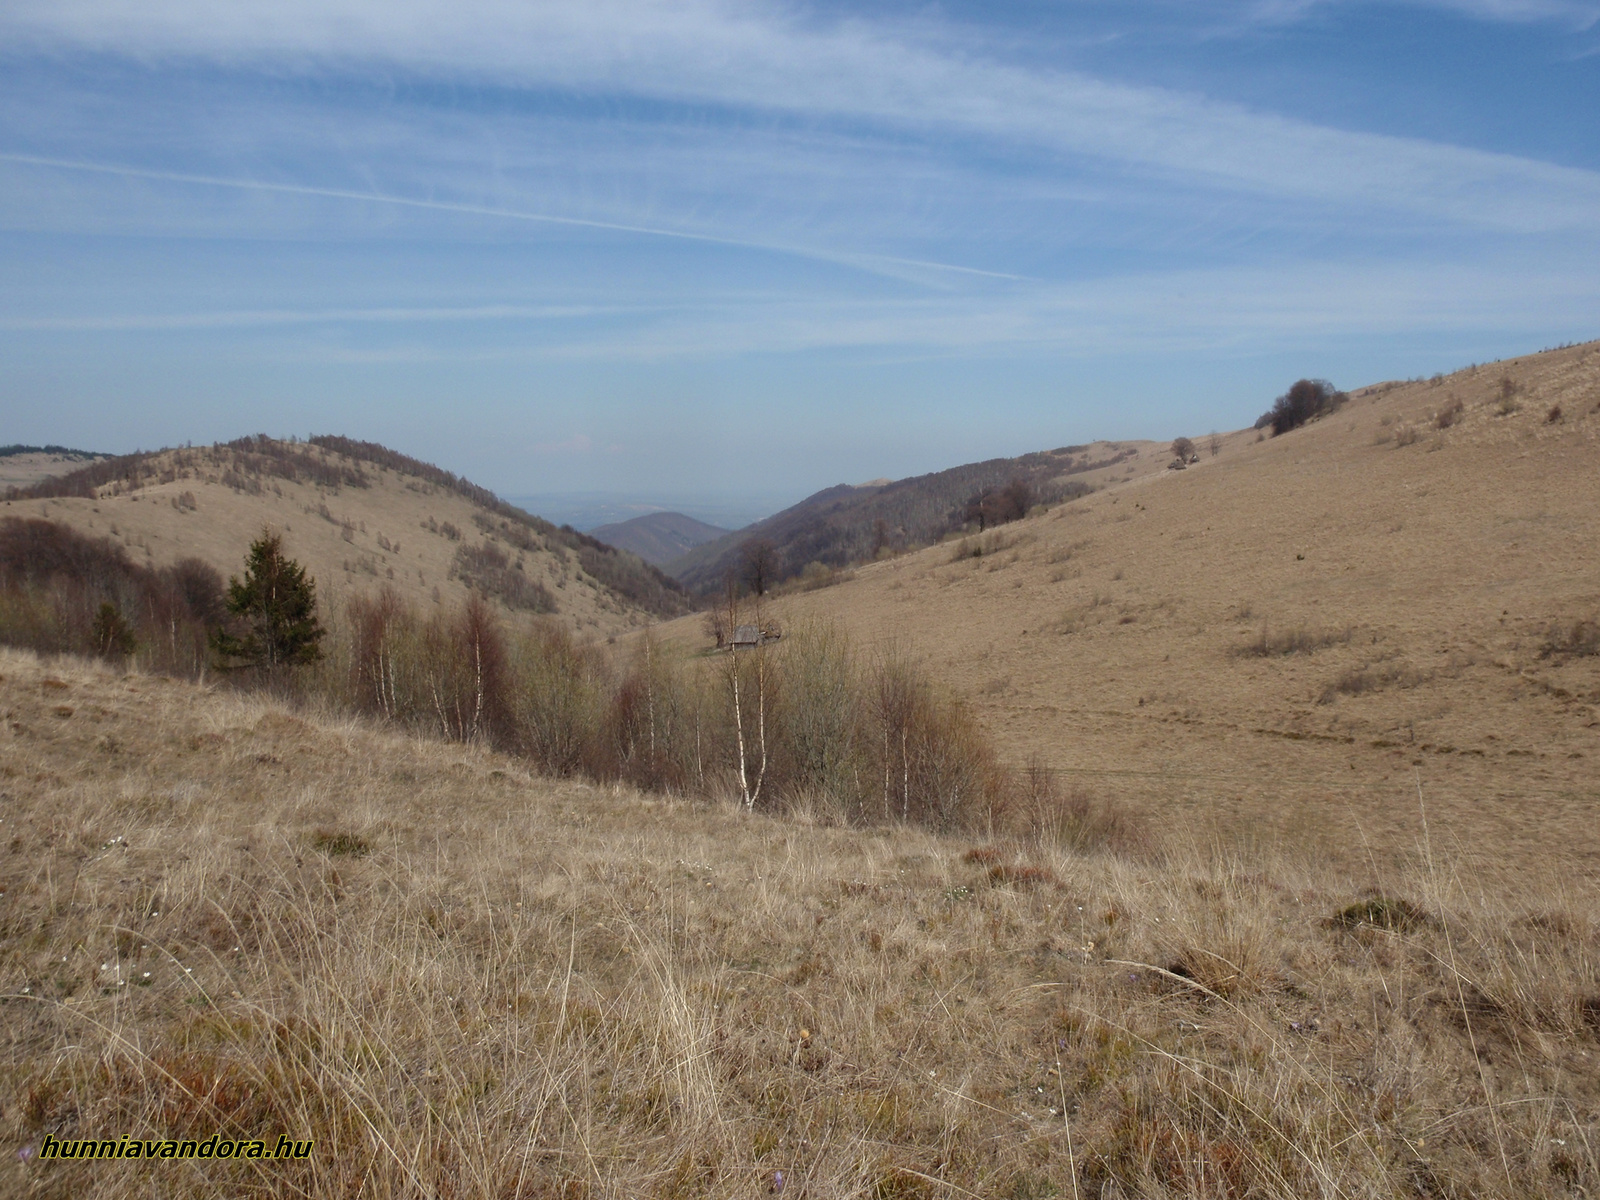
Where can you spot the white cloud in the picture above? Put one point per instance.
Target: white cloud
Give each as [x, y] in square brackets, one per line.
[762, 57]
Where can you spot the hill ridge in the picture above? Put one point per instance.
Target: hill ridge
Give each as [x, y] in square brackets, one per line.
[472, 538]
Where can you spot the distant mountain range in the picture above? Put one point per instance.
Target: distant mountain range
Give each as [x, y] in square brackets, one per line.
[660, 537]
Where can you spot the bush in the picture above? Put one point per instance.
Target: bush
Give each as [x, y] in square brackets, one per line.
[488, 569]
[1290, 641]
[1577, 639]
[1307, 400]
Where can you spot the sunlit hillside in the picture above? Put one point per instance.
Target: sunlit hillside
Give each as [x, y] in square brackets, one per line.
[359, 517]
[1322, 638]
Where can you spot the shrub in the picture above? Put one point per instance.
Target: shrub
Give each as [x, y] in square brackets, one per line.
[1578, 639]
[1307, 400]
[1290, 641]
[557, 696]
[1448, 415]
[1362, 680]
[488, 569]
[1073, 818]
[1554, 415]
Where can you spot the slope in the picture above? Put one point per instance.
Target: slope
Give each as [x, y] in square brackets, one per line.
[848, 524]
[229, 917]
[358, 516]
[23, 466]
[1291, 639]
[658, 537]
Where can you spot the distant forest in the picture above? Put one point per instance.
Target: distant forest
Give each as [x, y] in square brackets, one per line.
[14, 450]
[845, 525]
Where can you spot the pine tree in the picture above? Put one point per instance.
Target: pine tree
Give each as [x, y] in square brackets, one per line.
[278, 606]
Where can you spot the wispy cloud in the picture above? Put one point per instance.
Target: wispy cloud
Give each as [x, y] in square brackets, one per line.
[757, 57]
[1575, 14]
[884, 264]
[268, 318]
[1249, 309]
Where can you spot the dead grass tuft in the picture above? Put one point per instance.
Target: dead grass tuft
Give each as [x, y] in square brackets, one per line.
[1382, 912]
[335, 844]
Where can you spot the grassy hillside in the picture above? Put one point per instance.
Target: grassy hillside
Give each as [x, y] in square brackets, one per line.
[660, 537]
[22, 466]
[226, 917]
[359, 516]
[1285, 640]
[849, 524]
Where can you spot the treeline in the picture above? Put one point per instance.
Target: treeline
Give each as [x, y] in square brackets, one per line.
[803, 722]
[235, 463]
[62, 592]
[17, 448]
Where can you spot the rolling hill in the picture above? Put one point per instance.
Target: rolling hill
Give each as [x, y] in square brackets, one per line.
[358, 516]
[1340, 688]
[847, 524]
[23, 466]
[1286, 640]
[658, 537]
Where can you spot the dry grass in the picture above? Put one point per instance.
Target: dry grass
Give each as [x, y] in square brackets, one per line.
[525, 988]
[397, 530]
[1459, 571]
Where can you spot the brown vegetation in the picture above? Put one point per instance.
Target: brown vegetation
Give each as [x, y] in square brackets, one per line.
[464, 981]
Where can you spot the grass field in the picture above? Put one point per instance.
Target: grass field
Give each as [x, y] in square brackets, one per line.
[221, 914]
[1276, 643]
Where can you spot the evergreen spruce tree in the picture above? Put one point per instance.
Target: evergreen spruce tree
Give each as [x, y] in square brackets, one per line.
[277, 605]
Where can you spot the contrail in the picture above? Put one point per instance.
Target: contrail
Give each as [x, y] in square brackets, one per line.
[285, 316]
[863, 262]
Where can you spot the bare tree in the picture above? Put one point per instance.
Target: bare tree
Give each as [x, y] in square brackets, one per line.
[1182, 448]
[1214, 443]
[749, 793]
[716, 626]
[760, 564]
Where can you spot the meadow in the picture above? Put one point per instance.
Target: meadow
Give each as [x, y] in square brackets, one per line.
[223, 912]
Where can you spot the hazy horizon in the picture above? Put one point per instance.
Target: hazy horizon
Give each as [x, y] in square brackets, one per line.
[754, 247]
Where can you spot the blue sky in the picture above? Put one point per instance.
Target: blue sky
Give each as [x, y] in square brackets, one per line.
[719, 248]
